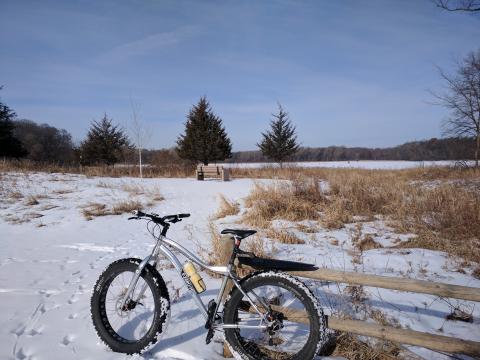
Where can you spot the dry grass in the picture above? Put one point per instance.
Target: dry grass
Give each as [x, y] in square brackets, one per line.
[136, 189]
[366, 243]
[92, 210]
[413, 174]
[169, 171]
[476, 272]
[298, 200]
[445, 216]
[14, 195]
[308, 229]
[49, 207]
[221, 247]
[155, 195]
[105, 185]
[336, 214]
[31, 200]
[27, 217]
[284, 236]
[127, 206]
[352, 348]
[133, 189]
[256, 245]
[439, 204]
[227, 208]
[63, 191]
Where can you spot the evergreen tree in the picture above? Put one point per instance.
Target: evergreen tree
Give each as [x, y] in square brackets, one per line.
[105, 143]
[281, 141]
[10, 146]
[205, 138]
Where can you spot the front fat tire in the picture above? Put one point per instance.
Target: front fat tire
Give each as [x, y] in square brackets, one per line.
[318, 336]
[161, 300]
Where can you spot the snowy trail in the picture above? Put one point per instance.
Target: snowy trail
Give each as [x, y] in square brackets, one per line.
[47, 272]
[50, 261]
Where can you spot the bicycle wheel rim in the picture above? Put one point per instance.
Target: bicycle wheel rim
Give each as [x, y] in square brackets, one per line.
[132, 325]
[283, 344]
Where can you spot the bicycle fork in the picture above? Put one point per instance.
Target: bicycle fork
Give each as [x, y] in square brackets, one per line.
[136, 276]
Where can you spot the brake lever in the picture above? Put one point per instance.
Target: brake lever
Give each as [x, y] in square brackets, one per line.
[134, 218]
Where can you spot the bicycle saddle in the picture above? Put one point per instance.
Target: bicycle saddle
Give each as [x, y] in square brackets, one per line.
[242, 234]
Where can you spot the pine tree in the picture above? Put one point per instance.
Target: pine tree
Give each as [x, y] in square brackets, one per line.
[205, 138]
[10, 146]
[105, 143]
[281, 141]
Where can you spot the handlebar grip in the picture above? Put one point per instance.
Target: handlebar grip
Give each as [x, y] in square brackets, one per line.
[183, 215]
[139, 213]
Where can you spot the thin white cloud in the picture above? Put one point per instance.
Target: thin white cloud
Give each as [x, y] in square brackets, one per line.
[147, 44]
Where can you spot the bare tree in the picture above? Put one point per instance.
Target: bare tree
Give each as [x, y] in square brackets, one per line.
[458, 5]
[140, 133]
[462, 97]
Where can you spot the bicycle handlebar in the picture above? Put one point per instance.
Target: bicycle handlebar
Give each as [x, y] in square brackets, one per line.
[157, 219]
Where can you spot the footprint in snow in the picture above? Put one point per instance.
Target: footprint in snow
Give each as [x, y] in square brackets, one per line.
[67, 339]
[24, 354]
[73, 299]
[35, 332]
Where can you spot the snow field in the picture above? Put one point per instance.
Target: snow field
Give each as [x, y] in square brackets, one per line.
[50, 260]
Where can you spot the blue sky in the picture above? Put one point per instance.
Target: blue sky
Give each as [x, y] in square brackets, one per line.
[352, 73]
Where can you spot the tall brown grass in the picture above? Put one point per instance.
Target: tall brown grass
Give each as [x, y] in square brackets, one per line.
[444, 215]
[283, 236]
[352, 348]
[92, 210]
[227, 207]
[167, 171]
[298, 200]
[412, 174]
[221, 247]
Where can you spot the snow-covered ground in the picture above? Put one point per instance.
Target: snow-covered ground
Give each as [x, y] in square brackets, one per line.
[361, 164]
[51, 256]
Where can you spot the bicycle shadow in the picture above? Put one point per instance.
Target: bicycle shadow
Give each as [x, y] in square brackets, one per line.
[166, 343]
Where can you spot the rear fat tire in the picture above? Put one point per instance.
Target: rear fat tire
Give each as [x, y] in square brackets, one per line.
[160, 297]
[318, 335]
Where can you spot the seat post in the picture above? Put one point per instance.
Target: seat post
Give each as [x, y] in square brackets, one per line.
[236, 246]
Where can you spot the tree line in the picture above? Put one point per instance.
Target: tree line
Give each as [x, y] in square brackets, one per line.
[204, 140]
[425, 150]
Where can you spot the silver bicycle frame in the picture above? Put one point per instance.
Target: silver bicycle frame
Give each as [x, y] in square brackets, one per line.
[167, 247]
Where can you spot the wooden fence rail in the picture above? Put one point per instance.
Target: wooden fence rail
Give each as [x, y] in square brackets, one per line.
[387, 282]
[402, 336]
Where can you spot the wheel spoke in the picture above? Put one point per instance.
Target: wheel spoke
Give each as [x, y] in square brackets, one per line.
[134, 323]
[288, 329]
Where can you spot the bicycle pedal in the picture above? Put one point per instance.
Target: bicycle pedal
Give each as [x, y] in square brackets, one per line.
[209, 336]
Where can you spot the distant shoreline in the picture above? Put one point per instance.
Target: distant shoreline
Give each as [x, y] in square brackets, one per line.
[360, 164]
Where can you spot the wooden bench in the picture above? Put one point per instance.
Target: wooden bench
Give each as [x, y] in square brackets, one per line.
[212, 171]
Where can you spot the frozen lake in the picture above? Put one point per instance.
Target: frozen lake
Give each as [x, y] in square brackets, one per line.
[361, 164]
